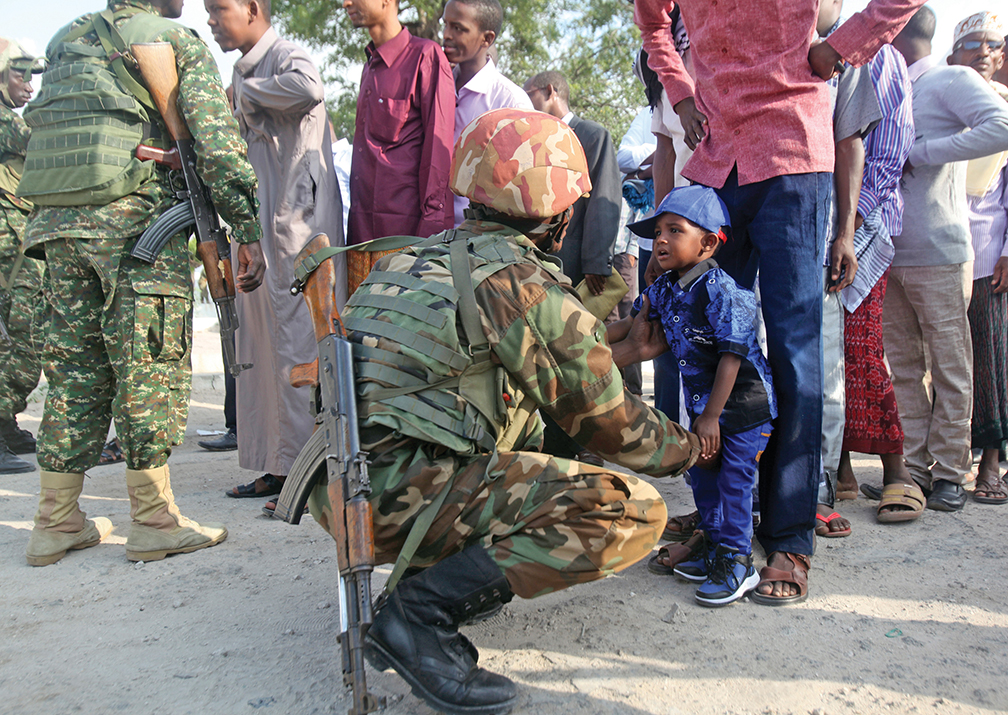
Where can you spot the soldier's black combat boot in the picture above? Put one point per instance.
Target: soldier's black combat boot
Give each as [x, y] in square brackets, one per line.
[415, 631]
[19, 441]
[10, 463]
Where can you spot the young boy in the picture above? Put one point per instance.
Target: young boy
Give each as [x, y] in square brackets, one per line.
[708, 321]
[470, 29]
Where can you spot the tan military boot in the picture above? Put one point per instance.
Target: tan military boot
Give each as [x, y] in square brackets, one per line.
[60, 525]
[158, 528]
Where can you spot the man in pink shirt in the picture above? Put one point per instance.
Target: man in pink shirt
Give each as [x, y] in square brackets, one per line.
[759, 121]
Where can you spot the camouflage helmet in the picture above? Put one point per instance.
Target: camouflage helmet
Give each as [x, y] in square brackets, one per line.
[12, 56]
[12, 53]
[520, 163]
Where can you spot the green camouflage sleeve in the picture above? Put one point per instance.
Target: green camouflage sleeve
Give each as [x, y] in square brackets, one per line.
[14, 133]
[555, 351]
[221, 152]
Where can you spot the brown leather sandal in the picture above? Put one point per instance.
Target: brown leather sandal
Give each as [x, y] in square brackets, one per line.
[798, 575]
[681, 528]
[675, 554]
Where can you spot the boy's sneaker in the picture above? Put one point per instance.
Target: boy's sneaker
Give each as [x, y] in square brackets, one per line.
[697, 569]
[732, 576]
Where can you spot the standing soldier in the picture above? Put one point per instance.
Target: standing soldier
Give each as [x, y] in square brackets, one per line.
[121, 329]
[23, 309]
[458, 342]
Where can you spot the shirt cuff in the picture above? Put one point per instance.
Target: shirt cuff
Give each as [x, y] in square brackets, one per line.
[246, 231]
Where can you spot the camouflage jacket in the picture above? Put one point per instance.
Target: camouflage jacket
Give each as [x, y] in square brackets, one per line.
[14, 212]
[220, 151]
[553, 350]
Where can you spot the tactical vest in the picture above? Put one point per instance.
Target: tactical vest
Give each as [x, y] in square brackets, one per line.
[91, 114]
[418, 370]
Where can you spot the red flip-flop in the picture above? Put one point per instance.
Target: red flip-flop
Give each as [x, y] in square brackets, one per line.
[823, 529]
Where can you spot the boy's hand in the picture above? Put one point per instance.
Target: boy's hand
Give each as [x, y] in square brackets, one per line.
[709, 432]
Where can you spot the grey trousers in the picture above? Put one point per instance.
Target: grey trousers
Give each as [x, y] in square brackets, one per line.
[930, 353]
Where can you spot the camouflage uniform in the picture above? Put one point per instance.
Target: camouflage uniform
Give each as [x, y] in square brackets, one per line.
[121, 332]
[23, 308]
[548, 523]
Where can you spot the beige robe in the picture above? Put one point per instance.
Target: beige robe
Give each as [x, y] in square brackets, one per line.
[278, 96]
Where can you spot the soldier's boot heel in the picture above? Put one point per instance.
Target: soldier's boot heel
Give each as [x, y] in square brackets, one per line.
[60, 525]
[158, 529]
[415, 632]
[19, 441]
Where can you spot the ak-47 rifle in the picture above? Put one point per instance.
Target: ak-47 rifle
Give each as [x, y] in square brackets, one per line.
[346, 466]
[156, 61]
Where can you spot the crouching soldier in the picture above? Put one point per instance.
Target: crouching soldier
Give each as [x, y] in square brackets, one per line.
[458, 342]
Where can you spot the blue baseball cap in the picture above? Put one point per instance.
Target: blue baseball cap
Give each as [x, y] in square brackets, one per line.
[699, 204]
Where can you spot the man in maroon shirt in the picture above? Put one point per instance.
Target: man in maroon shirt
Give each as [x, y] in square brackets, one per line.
[402, 146]
[759, 121]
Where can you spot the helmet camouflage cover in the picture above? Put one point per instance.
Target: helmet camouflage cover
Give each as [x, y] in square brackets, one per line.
[521, 163]
[11, 53]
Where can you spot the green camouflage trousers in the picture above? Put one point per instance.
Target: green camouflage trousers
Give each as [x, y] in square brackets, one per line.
[118, 347]
[549, 523]
[25, 312]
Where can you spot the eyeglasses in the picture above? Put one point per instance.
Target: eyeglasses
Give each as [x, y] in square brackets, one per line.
[974, 45]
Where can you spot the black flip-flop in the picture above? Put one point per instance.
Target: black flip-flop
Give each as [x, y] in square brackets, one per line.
[112, 453]
[248, 491]
[269, 508]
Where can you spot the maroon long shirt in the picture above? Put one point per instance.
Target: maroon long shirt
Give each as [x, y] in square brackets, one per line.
[402, 145]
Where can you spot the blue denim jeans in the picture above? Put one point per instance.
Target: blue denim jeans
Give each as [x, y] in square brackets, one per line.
[779, 231]
[724, 498]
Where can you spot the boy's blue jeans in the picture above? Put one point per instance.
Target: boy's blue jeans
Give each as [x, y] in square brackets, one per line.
[779, 229]
[724, 497]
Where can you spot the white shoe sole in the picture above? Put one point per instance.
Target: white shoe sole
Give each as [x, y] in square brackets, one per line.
[745, 587]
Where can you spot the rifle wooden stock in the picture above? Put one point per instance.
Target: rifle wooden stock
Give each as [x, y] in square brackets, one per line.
[157, 67]
[216, 281]
[319, 295]
[319, 290]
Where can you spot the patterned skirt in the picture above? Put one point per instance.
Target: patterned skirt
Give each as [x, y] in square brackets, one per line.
[988, 317]
[359, 264]
[873, 423]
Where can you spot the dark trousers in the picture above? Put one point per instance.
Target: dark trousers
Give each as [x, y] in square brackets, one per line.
[784, 221]
[666, 369]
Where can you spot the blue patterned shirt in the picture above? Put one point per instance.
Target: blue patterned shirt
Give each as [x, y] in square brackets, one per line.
[706, 313]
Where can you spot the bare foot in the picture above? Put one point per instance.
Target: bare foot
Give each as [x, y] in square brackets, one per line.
[837, 524]
[846, 481]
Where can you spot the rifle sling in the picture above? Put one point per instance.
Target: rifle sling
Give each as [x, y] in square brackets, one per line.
[18, 262]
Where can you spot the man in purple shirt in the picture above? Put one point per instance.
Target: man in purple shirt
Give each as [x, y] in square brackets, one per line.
[403, 136]
[759, 121]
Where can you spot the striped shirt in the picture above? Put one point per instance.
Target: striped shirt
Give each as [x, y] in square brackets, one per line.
[989, 226]
[888, 144]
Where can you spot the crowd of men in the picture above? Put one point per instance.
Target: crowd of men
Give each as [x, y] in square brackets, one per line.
[863, 187]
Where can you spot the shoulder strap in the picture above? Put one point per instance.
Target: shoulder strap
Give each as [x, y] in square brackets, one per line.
[116, 49]
[388, 243]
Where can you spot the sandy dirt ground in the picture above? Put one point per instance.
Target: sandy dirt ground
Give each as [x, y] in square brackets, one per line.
[908, 618]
